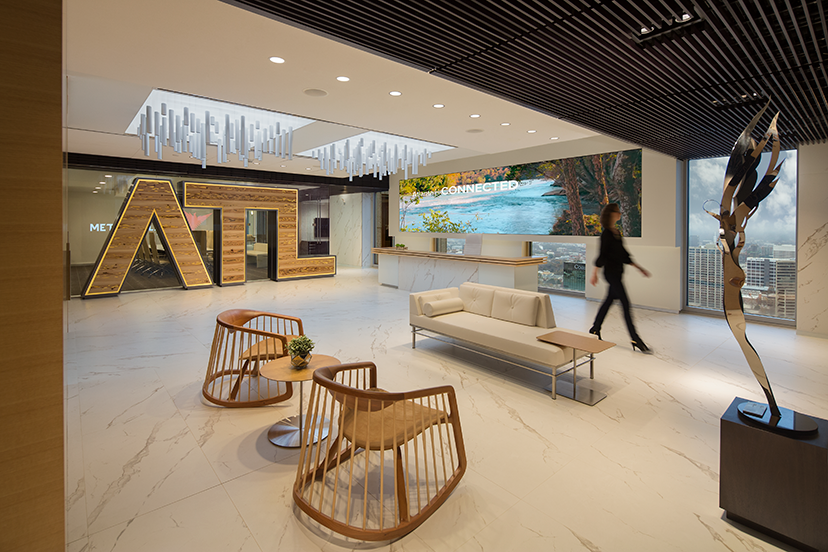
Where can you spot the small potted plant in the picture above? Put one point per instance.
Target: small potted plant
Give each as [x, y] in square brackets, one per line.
[401, 246]
[300, 351]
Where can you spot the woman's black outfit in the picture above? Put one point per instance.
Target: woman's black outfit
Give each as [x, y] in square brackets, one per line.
[612, 258]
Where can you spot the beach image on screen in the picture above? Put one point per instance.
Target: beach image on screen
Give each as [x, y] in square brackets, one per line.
[557, 197]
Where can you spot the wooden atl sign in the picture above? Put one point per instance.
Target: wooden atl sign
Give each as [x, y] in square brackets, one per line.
[154, 201]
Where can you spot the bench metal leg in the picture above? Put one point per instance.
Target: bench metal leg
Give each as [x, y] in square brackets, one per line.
[413, 337]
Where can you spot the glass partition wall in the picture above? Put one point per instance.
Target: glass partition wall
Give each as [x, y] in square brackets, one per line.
[769, 255]
[96, 198]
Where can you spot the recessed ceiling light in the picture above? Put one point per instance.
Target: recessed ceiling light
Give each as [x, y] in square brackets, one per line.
[343, 79]
[438, 106]
[97, 187]
[275, 59]
[107, 176]
[474, 115]
[94, 191]
[315, 92]
[308, 168]
[284, 165]
[475, 130]
[101, 182]
[505, 124]
[554, 138]
[531, 131]
[395, 93]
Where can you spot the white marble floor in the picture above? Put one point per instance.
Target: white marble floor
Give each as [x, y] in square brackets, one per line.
[152, 467]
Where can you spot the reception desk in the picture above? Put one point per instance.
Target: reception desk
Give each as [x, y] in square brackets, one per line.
[424, 270]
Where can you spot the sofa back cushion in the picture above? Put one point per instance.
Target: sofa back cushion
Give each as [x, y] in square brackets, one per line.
[442, 306]
[515, 307]
[477, 299]
[545, 316]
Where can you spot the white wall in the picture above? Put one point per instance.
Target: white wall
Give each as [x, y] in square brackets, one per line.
[812, 241]
[352, 230]
[658, 249]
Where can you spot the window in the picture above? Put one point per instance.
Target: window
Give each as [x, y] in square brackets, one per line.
[564, 268]
[769, 255]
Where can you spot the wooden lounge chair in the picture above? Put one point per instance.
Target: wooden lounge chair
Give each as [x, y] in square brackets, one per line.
[391, 459]
[243, 340]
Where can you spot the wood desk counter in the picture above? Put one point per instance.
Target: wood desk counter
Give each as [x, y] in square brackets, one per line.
[483, 259]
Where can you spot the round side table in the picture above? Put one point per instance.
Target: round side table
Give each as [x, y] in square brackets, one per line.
[288, 432]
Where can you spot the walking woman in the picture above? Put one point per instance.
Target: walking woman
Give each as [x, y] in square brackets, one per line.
[612, 258]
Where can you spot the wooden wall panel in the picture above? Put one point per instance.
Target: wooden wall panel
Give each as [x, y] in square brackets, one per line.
[149, 200]
[233, 200]
[31, 278]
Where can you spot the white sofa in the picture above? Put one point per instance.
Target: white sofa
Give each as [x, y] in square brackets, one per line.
[503, 320]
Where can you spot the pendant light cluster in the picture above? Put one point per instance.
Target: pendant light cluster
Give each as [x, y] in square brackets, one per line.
[189, 133]
[380, 159]
[375, 153]
[192, 124]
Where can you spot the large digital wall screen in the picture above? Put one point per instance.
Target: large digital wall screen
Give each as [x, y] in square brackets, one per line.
[557, 197]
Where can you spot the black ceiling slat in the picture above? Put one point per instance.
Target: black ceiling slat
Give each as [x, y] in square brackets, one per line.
[578, 60]
[812, 112]
[779, 47]
[782, 89]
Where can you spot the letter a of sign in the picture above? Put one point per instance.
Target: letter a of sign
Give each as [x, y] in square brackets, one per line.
[149, 200]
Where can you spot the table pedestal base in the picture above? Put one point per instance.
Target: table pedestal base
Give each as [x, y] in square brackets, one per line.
[286, 433]
[579, 392]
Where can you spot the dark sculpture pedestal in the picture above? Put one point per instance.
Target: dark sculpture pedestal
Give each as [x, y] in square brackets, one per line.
[774, 483]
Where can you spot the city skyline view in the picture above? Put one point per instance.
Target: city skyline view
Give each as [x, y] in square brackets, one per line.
[774, 221]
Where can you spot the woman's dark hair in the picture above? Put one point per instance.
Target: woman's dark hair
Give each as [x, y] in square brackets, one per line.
[605, 215]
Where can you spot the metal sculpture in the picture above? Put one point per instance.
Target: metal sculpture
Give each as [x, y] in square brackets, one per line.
[740, 200]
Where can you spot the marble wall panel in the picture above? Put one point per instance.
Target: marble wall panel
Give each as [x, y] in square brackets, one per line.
[812, 241]
[419, 274]
[352, 234]
[346, 229]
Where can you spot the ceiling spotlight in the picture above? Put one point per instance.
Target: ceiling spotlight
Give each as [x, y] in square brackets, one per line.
[284, 165]
[275, 59]
[554, 138]
[308, 168]
[101, 182]
[107, 176]
[438, 106]
[97, 187]
[645, 30]
[94, 191]
[475, 115]
[686, 17]
[342, 79]
[395, 93]
[505, 124]
[531, 131]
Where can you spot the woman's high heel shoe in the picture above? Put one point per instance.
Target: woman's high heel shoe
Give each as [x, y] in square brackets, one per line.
[641, 346]
[593, 331]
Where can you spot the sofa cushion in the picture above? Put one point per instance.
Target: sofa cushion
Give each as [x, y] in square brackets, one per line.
[442, 306]
[545, 317]
[433, 296]
[476, 299]
[515, 307]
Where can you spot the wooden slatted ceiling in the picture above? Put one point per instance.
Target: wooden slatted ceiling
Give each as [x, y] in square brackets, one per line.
[688, 94]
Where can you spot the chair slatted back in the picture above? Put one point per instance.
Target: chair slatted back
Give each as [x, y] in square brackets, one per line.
[243, 341]
[390, 459]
